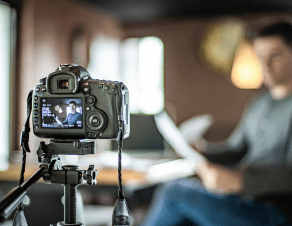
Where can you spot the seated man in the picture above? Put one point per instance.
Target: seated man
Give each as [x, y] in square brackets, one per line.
[74, 116]
[247, 180]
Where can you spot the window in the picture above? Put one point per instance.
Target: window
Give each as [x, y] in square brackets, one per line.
[138, 63]
[142, 69]
[7, 19]
[104, 59]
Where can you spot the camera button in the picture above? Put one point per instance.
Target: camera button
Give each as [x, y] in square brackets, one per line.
[86, 89]
[36, 127]
[113, 90]
[87, 108]
[90, 100]
[91, 135]
[36, 120]
[36, 105]
[100, 86]
[94, 121]
[36, 98]
[37, 89]
[106, 87]
[35, 112]
[44, 89]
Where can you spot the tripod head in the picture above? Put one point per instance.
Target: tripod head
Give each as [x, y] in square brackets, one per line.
[52, 171]
[56, 173]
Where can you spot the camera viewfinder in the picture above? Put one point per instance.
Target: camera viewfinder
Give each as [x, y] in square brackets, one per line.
[63, 84]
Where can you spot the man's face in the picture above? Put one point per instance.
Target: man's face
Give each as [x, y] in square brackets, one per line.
[73, 107]
[275, 57]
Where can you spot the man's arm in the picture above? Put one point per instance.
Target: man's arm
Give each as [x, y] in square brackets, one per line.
[260, 182]
[256, 180]
[231, 150]
[227, 152]
[66, 120]
[220, 179]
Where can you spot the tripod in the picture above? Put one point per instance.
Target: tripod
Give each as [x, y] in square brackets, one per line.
[52, 172]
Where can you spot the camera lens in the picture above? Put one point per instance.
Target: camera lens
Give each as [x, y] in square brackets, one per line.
[63, 84]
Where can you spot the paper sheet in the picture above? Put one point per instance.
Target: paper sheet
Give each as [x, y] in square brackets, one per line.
[182, 167]
[175, 138]
[194, 128]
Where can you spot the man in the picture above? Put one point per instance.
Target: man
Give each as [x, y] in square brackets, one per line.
[248, 178]
[74, 116]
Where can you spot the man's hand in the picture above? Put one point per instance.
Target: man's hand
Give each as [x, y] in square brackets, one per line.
[219, 179]
[200, 145]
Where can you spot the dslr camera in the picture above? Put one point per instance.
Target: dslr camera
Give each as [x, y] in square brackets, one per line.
[69, 104]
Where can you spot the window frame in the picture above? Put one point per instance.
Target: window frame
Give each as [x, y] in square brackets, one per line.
[12, 91]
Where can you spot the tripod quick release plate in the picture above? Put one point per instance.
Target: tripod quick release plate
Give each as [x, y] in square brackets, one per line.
[66, 147]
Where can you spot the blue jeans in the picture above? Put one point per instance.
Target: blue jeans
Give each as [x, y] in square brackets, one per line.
[186, 202]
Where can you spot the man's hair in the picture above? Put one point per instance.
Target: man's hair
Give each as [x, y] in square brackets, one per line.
[280, 29]
[73, 102]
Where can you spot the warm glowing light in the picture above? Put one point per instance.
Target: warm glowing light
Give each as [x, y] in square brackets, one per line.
[246, 71]
[220, 43]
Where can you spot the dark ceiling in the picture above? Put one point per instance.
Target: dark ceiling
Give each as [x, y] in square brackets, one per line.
[145, 11]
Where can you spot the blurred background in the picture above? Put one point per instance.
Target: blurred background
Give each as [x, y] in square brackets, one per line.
[185, 57]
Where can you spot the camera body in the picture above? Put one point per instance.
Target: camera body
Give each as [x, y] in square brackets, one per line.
[69, 104]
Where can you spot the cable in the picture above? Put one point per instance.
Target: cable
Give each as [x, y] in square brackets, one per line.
[121, 213]
[120, 146]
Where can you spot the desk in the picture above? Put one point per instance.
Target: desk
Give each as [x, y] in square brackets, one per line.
[105, 176]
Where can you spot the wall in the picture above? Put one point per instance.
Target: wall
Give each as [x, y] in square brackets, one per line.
[191, 88]
[46, 29]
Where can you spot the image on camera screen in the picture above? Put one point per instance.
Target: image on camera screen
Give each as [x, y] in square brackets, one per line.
[62, 113]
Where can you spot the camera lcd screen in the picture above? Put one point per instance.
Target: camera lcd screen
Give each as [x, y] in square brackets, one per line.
[62, 113]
